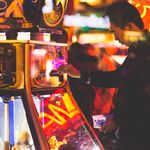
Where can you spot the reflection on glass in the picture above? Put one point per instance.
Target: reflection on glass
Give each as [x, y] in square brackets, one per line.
[45, 60]
[16, 124]
[63, 123]
[21, 128]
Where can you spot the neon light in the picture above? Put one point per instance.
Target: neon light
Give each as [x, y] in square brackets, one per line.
[145, 10]
[68, 103]
[11, 119]
[137, 5]
[145, 7]
[60, 120]
[86, 21]
[70, 112]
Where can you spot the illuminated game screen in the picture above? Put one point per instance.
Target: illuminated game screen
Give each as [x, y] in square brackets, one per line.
[63, 123]
[45, 60]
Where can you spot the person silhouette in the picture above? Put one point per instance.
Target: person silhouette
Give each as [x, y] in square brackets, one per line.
[131, 78]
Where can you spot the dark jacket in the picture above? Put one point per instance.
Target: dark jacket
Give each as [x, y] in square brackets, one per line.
[132, 111]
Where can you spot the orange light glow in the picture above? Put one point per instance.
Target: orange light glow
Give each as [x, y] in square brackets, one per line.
[96, 38]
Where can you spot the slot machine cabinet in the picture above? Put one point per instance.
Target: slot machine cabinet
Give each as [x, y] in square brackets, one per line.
[33, 95]
[17, 116]
[11, 90]
[11, 65]
[62, 120]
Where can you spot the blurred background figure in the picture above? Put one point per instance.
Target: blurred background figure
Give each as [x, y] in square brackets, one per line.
[83, 93]
[91, 100]
[103, 102]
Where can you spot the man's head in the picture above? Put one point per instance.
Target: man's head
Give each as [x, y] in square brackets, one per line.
[124, 17]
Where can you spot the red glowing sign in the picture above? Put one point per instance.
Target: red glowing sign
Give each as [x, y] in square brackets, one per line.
[56, 112]
[144, 9]
[63, 123]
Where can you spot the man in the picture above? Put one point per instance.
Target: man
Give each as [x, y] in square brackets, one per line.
[132, 78]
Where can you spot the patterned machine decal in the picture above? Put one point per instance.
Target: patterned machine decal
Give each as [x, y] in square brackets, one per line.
[63, 123]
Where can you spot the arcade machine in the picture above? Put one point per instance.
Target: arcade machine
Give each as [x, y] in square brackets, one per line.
[37, 107]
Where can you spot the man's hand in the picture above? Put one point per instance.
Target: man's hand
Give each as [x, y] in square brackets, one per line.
[70, 70]
[109, 125]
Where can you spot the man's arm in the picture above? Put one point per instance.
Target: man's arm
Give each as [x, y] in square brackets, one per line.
[102, 79]
[97, 78]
